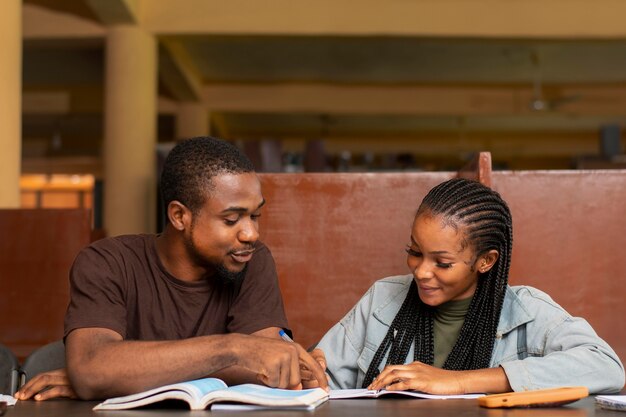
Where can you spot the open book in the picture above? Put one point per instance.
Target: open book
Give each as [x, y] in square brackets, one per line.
[369, 393]
[201, 393]
[612, 402]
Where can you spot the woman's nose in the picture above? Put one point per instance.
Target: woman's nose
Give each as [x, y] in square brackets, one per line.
[423, 270]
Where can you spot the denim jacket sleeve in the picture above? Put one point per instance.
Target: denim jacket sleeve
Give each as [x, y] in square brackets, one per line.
[540, 345]
[350, 345]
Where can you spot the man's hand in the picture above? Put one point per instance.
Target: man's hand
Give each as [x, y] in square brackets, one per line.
[47, 385]
[309, 380]
[277, 363]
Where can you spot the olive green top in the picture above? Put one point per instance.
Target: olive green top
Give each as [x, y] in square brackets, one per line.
[449, 318]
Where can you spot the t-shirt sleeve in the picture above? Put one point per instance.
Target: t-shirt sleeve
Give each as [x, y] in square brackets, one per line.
[259, 303]
[97, 289]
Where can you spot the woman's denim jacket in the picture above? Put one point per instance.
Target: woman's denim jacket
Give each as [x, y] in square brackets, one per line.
[538, 344]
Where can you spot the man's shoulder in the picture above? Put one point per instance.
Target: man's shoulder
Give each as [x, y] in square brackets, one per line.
[122, 242]
[116, 250]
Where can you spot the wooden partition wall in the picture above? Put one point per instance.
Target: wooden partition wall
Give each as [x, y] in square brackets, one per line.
[569, 232]
[333, 235]
[37, 248]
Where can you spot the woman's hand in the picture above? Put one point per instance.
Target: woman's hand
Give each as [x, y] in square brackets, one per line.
[420, 377]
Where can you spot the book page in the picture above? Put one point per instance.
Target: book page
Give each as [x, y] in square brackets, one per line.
[248, 407]
[191, 391]
[9, 399]
[365, 393]
[418, 394]
[337, 394]
[612, 402]
[266, 396]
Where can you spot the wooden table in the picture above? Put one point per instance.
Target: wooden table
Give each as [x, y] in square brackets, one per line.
[389, 407]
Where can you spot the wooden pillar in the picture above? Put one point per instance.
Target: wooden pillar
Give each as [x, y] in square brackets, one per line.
[130, 131]
[10, 102]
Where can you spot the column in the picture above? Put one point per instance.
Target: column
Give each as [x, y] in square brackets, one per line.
[130, 131]
[10, 102]
[192, 120]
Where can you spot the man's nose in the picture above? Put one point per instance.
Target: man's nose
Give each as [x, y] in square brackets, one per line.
[249, 232]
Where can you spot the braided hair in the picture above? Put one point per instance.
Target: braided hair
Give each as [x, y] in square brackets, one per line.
[486, 221]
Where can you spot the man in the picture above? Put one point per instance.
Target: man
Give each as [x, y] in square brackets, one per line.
[201, 299]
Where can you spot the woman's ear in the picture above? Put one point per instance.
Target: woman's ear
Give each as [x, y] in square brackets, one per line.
[486, 261]
[179, 215]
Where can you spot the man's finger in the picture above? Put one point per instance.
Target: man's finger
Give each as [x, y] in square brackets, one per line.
[55, 392]
[314, 366]
[318, 355]
[294, 369]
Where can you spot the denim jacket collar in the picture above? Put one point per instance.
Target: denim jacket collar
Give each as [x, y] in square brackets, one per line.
[514, 312]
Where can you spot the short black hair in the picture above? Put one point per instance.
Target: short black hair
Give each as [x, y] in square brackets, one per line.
[190, 166]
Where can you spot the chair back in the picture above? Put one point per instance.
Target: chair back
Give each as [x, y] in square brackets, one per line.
[44, 359]
[9, 369]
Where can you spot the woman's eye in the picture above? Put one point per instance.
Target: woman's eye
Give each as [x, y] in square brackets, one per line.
[412, 252]
[444, 264]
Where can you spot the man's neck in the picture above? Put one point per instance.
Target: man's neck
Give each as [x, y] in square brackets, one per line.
[175, 258]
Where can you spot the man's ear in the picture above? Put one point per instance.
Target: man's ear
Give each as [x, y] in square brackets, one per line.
[179, 215]
[486, 261]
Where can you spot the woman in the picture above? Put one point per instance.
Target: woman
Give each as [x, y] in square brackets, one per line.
[454, 326]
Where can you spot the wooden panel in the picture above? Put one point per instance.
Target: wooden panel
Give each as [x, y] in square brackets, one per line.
[333, 235]
[37, 248]
[569, 238]
[479, 168]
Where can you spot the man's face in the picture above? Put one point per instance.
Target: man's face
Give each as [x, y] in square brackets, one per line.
[225, 229]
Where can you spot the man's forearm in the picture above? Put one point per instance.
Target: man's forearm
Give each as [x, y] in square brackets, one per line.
[105, 368]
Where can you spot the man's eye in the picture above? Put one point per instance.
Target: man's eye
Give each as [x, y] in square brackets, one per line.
[255, 216]
[231, 222]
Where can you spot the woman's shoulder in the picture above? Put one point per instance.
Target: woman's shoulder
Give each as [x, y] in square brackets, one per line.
[533, 299]
[392, 285]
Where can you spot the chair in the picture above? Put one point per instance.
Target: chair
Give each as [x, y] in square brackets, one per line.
[47, 358]
[9, 371]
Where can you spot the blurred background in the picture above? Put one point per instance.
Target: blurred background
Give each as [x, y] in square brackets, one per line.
[108, 86]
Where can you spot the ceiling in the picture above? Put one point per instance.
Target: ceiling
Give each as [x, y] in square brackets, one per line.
[327, 85]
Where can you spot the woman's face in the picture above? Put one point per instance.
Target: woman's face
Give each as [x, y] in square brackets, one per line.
[443, 266]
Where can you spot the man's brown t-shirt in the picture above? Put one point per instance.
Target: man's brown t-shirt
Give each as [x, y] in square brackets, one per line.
[120, 284]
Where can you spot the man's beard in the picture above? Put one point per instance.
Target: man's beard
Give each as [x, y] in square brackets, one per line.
[228, 277]
[222, 274]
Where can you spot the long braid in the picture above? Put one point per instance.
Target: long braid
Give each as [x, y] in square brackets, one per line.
[487, 225]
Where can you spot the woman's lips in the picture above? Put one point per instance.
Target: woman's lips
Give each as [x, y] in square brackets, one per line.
[428, 289]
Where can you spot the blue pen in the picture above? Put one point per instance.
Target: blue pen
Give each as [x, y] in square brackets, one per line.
[285, 336]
